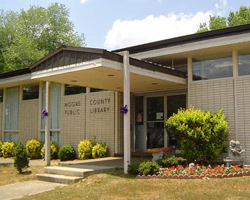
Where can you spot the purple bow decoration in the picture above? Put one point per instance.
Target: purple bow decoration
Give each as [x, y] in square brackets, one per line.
[124, 109]
[44, 113]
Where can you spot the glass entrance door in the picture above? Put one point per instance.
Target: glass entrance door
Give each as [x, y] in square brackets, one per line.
[155, 122]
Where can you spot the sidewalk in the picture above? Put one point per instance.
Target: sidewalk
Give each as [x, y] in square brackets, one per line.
[18, 190]
[39, 162]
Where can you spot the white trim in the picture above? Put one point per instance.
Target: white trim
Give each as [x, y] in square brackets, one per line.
[15, 79]
[116, 122]
[3, 113]
[158, 75]
[126, 117]
[184, 48]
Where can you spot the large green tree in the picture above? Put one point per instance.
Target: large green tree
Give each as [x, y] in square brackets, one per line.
[242, 16]
[27, 36]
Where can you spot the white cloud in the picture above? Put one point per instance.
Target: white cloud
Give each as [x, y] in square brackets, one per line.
[84, 1]
[221, 7]
[129, 33]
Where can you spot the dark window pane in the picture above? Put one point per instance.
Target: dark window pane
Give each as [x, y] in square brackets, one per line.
[96, 90]
[244, 64]
[174, 103]
[139, 110]
[155, 109]
[1, 96]
[72, 89]
[31, 91]
[155, 135]
[213, 68]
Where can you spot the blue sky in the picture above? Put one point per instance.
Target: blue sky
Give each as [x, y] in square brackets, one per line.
[113, 24]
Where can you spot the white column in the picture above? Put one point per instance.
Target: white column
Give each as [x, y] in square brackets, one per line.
[126, 101]
[47, 125]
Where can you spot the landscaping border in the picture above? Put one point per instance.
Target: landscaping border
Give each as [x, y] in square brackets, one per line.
[175, 176]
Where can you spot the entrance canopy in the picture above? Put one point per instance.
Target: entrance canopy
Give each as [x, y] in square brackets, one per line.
[98, 68]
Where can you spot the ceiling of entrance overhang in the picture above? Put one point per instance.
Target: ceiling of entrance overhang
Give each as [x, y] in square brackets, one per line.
[111, 79]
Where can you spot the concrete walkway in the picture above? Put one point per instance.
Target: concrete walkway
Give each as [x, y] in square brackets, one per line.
[21, 189]
[18, 190]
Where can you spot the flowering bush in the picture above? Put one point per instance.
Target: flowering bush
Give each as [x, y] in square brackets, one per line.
[201, 134]
[53, 150]
[33, 148]
[202, 170]
[85, 149]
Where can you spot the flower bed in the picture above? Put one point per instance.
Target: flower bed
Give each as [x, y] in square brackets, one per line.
[198, 172]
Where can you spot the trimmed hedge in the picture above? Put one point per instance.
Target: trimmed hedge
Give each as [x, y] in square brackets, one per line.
[85, 149]
[99, 150]
[171, 161]
[53, 150]
[1, 153]
[148, 168]
[66, 152]
[7, 149]
[33, 148]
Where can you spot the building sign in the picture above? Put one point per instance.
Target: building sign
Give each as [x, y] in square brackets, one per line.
[99, 105]
[72, 108]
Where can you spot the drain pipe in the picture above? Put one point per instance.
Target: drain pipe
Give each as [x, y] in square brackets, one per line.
[126, 101]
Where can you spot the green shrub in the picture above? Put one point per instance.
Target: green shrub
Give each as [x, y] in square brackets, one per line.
[20, 157]
[99, 150]
[66, 152]
[201, 134]
[33, 148]
[171, 161]
[1, 153]
[148, 167]
[7, 149]
[53, 150]
[85, 149]
[133, 168]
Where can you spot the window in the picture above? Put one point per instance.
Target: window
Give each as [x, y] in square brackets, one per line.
[12, 108]
[55, 105]
[30, 91]
[1, 96]
[244, 63]
[96, 90]
[11, 137]
[54, 136]
[72, 89]
[219, 66]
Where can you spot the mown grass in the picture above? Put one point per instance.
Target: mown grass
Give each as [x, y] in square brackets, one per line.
[9, 174]
[116, 185]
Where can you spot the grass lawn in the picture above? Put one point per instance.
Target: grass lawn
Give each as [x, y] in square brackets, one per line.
[9, 174]
[116, 185]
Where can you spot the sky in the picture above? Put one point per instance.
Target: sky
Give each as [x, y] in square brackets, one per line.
[114, 24]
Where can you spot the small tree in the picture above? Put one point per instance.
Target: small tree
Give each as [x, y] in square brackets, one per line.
[201, 134]
[20, 157]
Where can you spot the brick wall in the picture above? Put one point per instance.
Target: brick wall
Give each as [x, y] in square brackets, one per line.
[28, 120]
[73, 120]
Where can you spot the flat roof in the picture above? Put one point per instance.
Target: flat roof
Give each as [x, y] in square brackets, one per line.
[224, 32]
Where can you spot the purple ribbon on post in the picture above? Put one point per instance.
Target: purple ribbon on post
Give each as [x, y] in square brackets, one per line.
[44, 113]
[124, 109]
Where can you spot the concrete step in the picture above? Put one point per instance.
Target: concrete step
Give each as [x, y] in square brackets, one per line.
[58, 178]
[68, 171]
